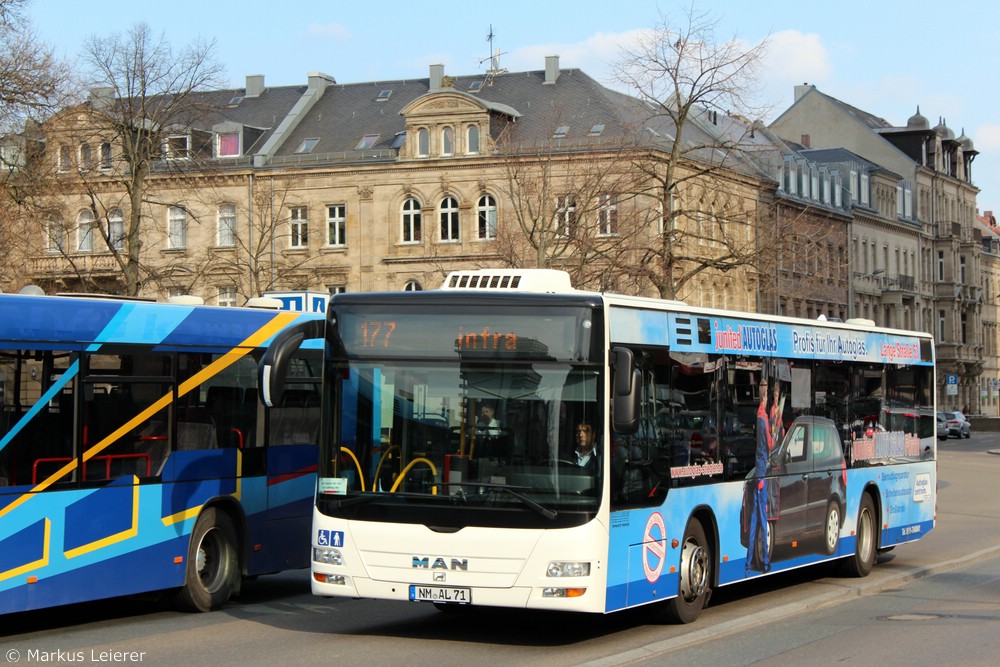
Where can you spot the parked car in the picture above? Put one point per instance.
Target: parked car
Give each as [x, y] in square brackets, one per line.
[942, 426]
[807, 488]
[958, 425]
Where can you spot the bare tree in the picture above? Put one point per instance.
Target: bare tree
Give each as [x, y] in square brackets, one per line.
[567, 213]
[706, 185]
[143, 118]
[33, 82]
[252, 261]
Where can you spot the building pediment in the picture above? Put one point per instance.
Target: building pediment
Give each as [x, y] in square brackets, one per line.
[451, 103]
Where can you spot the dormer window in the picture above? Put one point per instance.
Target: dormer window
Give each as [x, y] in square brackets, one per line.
[423, 142]
[367, 141]
[398, 142]
[475, 86]
[561, 132]
[307, 145]
[472, 140]
[597, 129]
[384, 95]
[448, 141]
[229, 144]
[176, 147]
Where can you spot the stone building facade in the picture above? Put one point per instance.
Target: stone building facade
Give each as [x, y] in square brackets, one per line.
[916, 255]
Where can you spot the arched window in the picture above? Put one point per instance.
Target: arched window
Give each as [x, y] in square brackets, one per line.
[423, 142]
[85, 231]
[116, 229]
[448, 141]
[86, 156]
[486, 211]
[106, 155]
[412, 286]
[472, 140]
[410, 218]
[449, 219]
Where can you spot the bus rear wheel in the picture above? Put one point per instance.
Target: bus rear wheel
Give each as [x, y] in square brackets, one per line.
[212, 570]
[695, 577]
[860, 564]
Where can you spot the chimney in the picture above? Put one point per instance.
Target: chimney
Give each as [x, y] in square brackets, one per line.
[102, 98]
[802, 90]
[319, 81]
[806, 141]
[437, 74]
[255, 85]
[551, 69]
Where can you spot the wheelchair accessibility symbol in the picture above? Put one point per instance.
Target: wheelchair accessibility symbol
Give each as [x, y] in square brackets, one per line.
[330, 538]
[654, 547]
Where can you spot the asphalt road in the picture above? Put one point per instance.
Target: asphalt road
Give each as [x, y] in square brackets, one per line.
[938, 588]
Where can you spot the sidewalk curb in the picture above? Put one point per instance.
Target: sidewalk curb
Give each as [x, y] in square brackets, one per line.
[807, 604]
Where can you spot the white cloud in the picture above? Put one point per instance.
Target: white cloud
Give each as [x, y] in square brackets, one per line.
[336, 31]
[987, 137]
[596, 55]
[794, 56]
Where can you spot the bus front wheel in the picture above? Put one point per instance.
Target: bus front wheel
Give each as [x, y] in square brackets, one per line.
[695, 577]
[211, 572]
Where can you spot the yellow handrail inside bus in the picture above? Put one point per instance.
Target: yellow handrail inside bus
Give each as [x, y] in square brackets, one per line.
[357, 464]
[409, 465]
[381, 459]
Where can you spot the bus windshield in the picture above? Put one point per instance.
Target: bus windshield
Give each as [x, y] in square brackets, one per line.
[514, 430]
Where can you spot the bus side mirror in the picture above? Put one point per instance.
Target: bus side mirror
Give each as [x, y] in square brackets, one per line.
[274, 364]
[625, 391]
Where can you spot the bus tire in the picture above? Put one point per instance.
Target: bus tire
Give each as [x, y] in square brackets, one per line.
[694, 587]
[860, 564]
[211, 573]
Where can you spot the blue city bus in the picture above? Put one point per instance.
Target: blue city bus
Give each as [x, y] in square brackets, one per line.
[510, 441]
[134, 454]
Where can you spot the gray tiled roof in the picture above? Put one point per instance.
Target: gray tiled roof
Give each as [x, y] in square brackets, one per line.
[348, 112]
[345, 113]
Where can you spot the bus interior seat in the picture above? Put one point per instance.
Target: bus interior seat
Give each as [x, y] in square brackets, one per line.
[225, 405]
[296, 420]
[195, 429]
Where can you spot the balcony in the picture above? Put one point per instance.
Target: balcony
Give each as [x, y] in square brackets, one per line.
[54, 267]
[899, 283]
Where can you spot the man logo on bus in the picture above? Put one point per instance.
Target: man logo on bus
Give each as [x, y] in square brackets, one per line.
[654, 547]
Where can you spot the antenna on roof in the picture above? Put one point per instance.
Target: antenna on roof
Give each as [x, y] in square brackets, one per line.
[494, 60]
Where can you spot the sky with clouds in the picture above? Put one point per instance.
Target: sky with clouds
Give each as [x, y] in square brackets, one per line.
[885, 57]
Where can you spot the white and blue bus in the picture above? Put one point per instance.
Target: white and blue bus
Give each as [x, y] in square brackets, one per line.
[134, 456]
[509, 441]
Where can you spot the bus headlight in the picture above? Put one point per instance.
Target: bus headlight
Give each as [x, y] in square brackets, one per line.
[328, 556]
[561, 568]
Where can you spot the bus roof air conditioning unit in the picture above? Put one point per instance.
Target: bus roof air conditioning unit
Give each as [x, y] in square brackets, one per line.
[520, 280]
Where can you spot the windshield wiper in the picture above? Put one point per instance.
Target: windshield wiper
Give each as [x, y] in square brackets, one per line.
[368, 497]
[514, 491]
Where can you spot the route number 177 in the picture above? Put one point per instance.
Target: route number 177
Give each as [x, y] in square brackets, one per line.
[377, 334]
